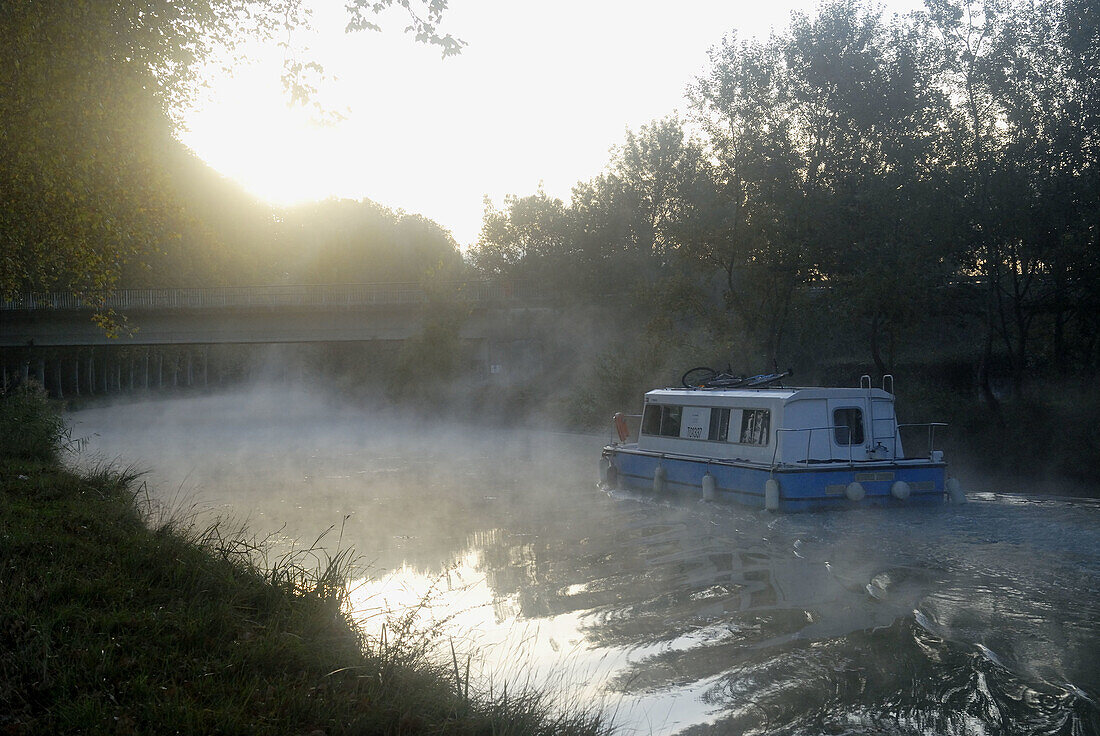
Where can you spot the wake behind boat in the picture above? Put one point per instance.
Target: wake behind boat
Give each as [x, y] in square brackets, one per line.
[750, 441]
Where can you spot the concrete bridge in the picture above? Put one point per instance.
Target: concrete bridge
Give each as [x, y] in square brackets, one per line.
[269, 314]
[54, 339]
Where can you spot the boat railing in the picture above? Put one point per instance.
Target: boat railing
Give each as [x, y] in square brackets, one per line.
[809, 438]
[930, 426]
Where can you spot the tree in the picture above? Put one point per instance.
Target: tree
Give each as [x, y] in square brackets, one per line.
[89, 96]
[655, 172]
[1050, 165]
[627, 222]
[868, 116]
[751, 225]
[530, 238]
[347, 241]
[1026, 143]
[621, 228]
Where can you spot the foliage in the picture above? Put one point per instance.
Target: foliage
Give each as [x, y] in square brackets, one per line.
[1028, 168]
[346, 241]
[621, 228]
[81, 189]
[881, 171]
[90, 95]
[31, 427]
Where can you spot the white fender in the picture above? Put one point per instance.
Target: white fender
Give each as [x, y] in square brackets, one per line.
[659, 476]
[900, 490]
[611, 476]
[855, 491]
[771, 494]
[710, 487]
[954, 490]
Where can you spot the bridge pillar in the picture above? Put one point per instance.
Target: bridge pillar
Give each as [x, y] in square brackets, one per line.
[90, 375]
[41, 373]
[26, 371]
[57, 375]
[188, 369]
[76, 375]
[160, 370]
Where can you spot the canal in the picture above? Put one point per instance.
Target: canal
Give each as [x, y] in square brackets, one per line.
[673, 615]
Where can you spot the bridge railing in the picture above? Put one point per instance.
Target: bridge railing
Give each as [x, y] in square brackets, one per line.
[279, 295]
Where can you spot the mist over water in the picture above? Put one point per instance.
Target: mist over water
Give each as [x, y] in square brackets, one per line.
[674, 614]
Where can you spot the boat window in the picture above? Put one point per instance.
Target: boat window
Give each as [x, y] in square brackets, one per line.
[848, 426]
[719, 425]
[662, 420]
[754, 426]
[670, 420]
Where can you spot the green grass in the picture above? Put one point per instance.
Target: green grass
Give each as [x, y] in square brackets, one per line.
[112, 623]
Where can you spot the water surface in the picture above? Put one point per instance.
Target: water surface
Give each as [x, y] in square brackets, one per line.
[676, 615]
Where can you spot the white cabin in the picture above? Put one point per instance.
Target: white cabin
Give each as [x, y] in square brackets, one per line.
[772, 425]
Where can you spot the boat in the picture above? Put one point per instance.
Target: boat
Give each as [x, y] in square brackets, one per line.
[757, 442]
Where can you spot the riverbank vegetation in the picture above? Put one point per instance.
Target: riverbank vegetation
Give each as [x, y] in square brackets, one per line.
[116, 619]
[922, 180]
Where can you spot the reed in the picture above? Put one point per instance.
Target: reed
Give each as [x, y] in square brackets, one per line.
[31, 427]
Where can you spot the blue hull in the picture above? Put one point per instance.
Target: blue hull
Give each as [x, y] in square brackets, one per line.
[812, 488]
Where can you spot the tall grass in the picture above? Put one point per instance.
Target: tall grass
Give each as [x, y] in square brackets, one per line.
[31, 427]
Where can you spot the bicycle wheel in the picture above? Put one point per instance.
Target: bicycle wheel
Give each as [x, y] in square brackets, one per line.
[698, 377]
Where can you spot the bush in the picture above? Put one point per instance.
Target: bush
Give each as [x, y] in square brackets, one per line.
[31, 427]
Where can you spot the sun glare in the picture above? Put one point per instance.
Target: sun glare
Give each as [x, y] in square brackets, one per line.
[250, 134]
[539, 95]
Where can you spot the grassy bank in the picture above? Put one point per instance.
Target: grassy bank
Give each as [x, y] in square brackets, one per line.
[112, 624]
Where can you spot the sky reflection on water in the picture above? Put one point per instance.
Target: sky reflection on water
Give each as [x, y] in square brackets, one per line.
[677, 615]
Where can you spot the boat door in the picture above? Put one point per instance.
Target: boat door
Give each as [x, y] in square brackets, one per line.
[884, 424]
[849, 418]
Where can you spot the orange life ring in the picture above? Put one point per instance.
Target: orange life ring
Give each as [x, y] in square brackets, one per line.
[620, 427]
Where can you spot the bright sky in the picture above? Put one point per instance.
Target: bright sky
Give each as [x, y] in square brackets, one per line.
[539, 94]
